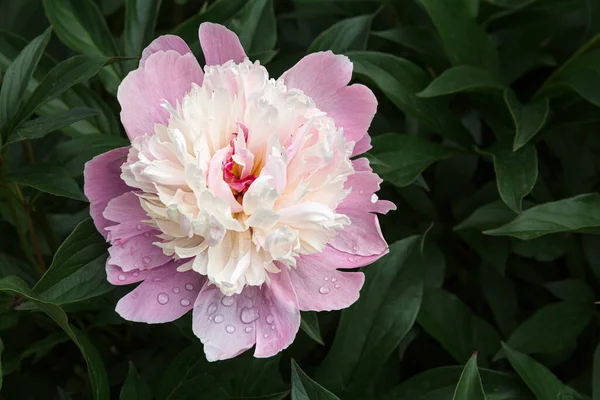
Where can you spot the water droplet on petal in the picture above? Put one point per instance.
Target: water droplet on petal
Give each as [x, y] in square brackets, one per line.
[163, 298]
[374, 198]
[227, 301]
[270, 319]
[361, 192]
[273, 327]
[122, 277]
[184, 302]
[338, 286]
[189, 286]
[146, 260]
[230, 328]
[139, 227]
[136, 274]
[176, 290]
[146, 234]
[334, 280]
[266, 335]
[212, 308]
[248, 329]
[352, 259]
[323, 290]
[355, 247]
[326, 278]
[249, 315]
[219, 318]
[155, 279]
[135, 295]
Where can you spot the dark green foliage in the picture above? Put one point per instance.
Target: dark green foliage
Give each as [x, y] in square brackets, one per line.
[486, 137]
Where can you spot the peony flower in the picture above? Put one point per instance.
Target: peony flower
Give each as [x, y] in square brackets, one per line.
[238, 197]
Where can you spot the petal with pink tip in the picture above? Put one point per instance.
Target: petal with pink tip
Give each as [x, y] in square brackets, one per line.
[362, 237]
[102, 183]
[364, 184]
[219, 44]
[166, 76]
[279, 316]
[128, 215]
[225, 324]
[362, 146]
[321, 288]
[164, 43]
[139, 252]
[164, 296]
[340, 260]
[116, 276]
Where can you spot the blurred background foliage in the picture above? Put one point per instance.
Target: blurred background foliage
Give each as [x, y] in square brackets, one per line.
[486, 136]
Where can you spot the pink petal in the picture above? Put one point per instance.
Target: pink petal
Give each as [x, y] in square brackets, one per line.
[116, 276]
[163, 297]
[164, 43]
[219, 44]
[217, 183]
[340, 260]
[280, 316]
[364, 183]
[362, 237]
[128, 214]
[321, 288]
[139, 252]
[319, 75]
[166, 76]
[102, 183]
[362, 146]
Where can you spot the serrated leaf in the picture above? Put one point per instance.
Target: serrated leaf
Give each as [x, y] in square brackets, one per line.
[346, 35]
[528, 118]
[49, 179]
[579, 213]
[469, 386]
[134, 387]
[538, 378]
[310, 326]
[304, 388]
[463, 78]
[18, 74]
[256, 27]
[400, 158]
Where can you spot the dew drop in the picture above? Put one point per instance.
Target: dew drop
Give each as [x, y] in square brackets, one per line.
[355, 247]
[227, 301]
[163, 298]
[122, 277]
[374, 198]
[139, 227]
[136, 274]
[323, 290]
[155, 279]
[338, 286]
[189, 286]
[146, 234]
[361, 192]
[326, 278]
[266, 335]
[270, 319]
[352, 259]
[184, 302]
[212, 308]
[230, 328]
[334, 280]
[248, 329]
[273, 327]
[248, 315]
[135, 295]
[176, 290]
[146, 260]
[219, 318]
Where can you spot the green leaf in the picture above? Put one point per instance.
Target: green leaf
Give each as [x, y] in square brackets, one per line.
[73, 154]
[400, 80]
[62, 77]
[1, 372]
[134, 387]
[487, 216]
[528, 118]
[81, 26]
[500, 293]
[449, 321]
[256, 27]
[140, 21]
[304, 388]
[374, 325]
[469, 386]
[466, 42]
[516, 174]
[551, 328]
[18, 74]
[346, 35]
[401, 158]
[440, 384]
[572, 290]
[49, 179]
[187, 375]
[78, 268]
[98, 375]
[424, 40]
[463, 78]
[310, 326]
[596, 375]
[538, 378]
[36, 349]
[579, 213]
[40, 127]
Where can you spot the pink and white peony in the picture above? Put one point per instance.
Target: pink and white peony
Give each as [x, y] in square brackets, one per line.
[238, 197]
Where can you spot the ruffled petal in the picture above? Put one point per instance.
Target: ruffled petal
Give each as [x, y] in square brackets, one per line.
[164, 43]
[164, 296]
[138, 252]
[128, 215]
[362, 237]
[219, 44]
[362, 146]
[364, 184]
[116, 276]
[102, 183]
[166, 76]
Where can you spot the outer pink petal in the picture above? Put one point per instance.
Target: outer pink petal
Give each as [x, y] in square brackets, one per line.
[320, 288]
[138, 253]
[220, 45]
[340, 260]
[116, 276]
[225, 325]
[319, 75]
[128, 215]
[364, 183]
[102, 183]
[362, 146]
[166, 76]
[164, 43]
[362, 237]
[279, 316]
[164, 296]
